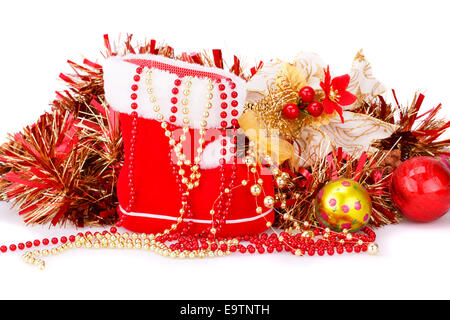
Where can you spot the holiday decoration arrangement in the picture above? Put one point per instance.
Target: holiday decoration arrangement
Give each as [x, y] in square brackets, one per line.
[188, 156]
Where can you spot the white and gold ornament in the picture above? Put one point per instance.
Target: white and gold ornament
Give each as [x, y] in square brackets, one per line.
[358, 131]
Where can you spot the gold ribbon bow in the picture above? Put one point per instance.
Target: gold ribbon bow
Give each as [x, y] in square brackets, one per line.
[274, 146]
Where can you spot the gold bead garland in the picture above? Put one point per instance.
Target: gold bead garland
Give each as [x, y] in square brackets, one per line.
[149, 242]
[193, 180]
[117, 240]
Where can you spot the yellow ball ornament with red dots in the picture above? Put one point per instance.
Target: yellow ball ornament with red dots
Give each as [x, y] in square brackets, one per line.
[343, 204]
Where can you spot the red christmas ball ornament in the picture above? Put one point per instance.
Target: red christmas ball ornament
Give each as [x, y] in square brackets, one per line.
[291, 111]
[306, 94]
[420, 189]
[315, 108]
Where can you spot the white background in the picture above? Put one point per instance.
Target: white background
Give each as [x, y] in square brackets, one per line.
[407, 44]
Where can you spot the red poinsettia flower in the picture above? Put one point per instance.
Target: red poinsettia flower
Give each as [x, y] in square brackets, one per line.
[336, 94]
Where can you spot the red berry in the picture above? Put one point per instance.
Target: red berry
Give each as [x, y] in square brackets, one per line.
[291, 111]
[306, 94]
[315, 108]
[3, 249]
[251, 248]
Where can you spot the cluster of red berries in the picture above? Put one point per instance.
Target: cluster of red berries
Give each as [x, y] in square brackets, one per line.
[306, 96]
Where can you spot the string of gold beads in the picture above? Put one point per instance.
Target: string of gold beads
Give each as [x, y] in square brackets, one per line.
[191, 181]
[125, 240]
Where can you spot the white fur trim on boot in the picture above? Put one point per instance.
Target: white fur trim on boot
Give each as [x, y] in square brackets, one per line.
[118, 79]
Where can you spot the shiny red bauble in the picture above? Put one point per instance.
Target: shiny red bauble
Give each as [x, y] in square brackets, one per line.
[315, 108]
[420, 189]
[306, 94]
[291, 111]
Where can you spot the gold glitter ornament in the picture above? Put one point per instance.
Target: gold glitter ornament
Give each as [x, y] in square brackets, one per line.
[343, 204]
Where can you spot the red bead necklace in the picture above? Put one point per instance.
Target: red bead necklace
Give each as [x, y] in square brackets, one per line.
[314, 240]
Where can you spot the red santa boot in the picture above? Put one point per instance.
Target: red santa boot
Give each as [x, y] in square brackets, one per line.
[181, 171]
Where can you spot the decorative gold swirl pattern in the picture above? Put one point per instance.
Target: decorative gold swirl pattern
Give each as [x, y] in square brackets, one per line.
[362, 83]
[355, 136]
[312, 66]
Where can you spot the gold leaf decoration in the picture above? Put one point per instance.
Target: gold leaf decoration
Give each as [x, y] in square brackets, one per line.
[277, 148]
